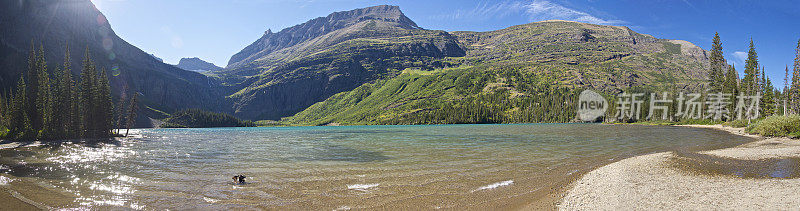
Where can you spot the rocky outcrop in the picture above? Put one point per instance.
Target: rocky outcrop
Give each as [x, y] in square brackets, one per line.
[157, 58]
[197, 65]
[314, 28]
[285, 72]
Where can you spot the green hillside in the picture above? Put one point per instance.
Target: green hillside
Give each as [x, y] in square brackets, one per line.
[526, 73]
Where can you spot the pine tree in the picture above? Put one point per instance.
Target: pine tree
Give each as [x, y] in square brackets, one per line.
[794, 90]
[32, 89]
[96, 107]
[716, 73]
[732, 85]
[64, 94]
[105, 105]
[44, 111]
[750, 81]
[20, 121]
[785, 94]
[768, 99]
[120, 109]
[86, 97]
[132, 108]
[3, 112]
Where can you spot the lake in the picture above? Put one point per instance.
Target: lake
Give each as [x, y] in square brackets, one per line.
[345, 167]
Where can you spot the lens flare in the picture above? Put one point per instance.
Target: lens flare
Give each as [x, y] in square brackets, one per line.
[101, 20]
[115, 71]
[103, 31]
[107, 43]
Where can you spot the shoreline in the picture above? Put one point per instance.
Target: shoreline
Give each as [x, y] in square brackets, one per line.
[670, 180]
[557, 197]
[12, 202]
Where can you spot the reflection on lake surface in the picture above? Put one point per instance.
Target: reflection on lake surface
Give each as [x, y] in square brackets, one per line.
[400, 167]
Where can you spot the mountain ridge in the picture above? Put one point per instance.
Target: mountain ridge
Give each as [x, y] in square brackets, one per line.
[197, 65]
[348, 57]
[270, 42]
[523, 73]
[606, 58]
[365, 47]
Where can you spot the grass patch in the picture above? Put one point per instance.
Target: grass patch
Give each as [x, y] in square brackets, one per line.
[788, 126]
[737, 123]
[697, 122]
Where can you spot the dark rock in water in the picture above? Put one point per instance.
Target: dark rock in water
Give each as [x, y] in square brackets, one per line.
[239, 179]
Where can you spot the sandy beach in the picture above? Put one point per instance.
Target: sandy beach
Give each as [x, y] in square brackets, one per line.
[759, 175]
[9, 202]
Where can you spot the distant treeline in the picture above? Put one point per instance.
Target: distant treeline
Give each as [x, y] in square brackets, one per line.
[48, 104]
[198, 118]
[724, 78]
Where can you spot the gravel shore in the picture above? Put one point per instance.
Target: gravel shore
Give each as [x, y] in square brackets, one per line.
[654, 182]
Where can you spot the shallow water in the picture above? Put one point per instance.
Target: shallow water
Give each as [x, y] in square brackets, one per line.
[773, 168]
[400, 167]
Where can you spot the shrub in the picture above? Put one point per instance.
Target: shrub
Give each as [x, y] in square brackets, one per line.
[696, 122]
[736, 123]
[777, 126]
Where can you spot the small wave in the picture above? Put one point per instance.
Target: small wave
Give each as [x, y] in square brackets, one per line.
[210, 200]
[342, 208]
[495, 185]
[572, 172]
[5, 180]
[362, 186]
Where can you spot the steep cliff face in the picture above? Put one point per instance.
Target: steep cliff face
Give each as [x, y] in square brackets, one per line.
[197, 65]
[271, 42]
[77, 23]
[285, 72]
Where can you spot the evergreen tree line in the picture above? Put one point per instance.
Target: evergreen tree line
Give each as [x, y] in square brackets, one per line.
[724, 78]
[198, 118]
[547, 104]
[792, 90]
[48, 104]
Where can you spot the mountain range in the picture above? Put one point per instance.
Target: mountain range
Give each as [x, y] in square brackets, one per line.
[363, 66]
[283, 73]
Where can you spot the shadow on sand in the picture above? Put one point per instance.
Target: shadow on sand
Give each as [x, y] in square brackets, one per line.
[783, 168]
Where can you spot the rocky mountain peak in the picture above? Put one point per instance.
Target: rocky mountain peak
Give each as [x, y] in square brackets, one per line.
[314, 28]
[386, 13]
[196, 64]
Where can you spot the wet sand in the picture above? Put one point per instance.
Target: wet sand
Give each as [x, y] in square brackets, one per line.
[758, 175]
[9, 202]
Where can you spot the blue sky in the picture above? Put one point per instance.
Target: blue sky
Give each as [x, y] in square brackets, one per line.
[214, 30]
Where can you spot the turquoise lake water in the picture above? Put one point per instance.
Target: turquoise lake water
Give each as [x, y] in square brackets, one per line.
[346, 167]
